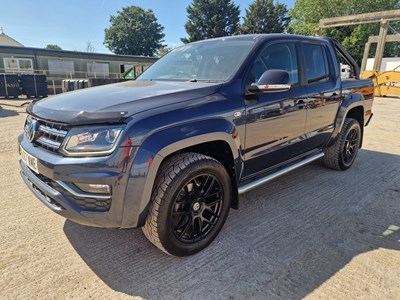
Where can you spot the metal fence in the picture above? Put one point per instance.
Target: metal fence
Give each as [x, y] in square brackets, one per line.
[55, 77]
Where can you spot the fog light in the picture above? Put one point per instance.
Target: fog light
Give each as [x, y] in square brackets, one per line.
[94, 188]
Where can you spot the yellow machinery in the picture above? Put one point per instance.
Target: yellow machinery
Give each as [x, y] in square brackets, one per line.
[385, 83]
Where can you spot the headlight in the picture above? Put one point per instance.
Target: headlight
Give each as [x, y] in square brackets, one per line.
[91, 141]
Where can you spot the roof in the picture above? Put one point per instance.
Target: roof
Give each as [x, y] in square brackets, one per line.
[5, 40]
[13, 50]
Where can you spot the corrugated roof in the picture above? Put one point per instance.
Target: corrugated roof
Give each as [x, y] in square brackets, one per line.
[5, 40]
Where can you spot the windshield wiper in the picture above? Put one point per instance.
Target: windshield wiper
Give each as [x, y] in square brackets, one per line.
[209, 81]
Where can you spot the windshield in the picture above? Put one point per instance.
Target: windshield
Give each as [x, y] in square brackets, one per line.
[215, 60]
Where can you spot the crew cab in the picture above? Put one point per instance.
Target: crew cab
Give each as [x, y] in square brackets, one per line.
[172, 150]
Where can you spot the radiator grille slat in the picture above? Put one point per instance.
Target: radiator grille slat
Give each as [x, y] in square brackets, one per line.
[48, 135]
[53, 131]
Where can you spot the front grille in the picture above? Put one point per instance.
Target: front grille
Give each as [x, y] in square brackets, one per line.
[45, 134]
[94, 205]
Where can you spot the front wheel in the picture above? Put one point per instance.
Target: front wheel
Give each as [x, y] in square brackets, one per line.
[343, 152]
[189, 205]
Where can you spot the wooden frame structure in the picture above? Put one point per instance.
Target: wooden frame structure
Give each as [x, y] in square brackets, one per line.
[383, 17]
[372, 40]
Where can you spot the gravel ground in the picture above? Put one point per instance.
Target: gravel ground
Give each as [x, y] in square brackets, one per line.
[315, 233]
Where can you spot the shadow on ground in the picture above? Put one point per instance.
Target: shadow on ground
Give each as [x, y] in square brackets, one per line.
[287, 238]
[4, 112]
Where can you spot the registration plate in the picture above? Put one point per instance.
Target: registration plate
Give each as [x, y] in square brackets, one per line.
[29, 160]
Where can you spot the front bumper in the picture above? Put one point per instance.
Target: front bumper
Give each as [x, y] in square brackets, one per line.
[54, 184]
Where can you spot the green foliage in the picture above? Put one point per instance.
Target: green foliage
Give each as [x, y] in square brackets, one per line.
[134, 31]
[263, 16]
[53, 47]
[163, 50]
[210, 19]
[306, 15]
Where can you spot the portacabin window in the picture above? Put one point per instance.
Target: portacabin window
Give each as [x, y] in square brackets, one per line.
[316, 63]
[23, 65]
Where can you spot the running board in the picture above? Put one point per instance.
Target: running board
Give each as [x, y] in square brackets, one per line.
[256, 183]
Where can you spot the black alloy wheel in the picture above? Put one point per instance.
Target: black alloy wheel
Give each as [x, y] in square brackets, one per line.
[190, 203]
[197, 208]
[350, 146]
[342, 154]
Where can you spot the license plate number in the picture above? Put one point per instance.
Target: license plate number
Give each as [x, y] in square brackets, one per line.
[29, 160]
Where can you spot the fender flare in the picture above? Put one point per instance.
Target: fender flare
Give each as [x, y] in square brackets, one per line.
[351, 101]
[162, 143]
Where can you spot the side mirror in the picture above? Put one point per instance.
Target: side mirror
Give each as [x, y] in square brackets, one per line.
[271, 81]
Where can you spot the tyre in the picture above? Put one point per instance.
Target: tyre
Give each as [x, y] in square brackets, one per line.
[190, 203]
[341, 155]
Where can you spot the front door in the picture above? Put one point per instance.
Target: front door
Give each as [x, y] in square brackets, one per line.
[275, 121]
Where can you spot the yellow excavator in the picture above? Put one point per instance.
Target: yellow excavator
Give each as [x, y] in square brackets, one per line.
[386, 83]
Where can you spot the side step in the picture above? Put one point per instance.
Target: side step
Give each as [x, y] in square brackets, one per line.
[256, 183]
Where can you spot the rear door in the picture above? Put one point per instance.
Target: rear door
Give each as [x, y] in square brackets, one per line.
[324, 92]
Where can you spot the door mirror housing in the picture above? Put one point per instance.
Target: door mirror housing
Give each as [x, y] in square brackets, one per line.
[273, 80]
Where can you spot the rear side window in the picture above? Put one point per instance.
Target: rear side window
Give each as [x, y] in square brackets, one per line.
[317, 69]
[346, 67]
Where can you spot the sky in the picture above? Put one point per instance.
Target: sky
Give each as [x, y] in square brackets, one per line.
[72, 24]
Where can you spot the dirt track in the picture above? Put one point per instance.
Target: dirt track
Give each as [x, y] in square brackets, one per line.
[314, 233]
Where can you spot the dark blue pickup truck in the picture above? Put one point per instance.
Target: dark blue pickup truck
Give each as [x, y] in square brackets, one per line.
[172, 151]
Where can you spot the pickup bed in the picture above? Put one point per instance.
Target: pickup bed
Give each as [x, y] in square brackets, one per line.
[172, 151]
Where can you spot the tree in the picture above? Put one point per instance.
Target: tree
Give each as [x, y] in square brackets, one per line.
[306, 15]
[53, 47]
[210, 19]
[134, 31]
[263, 16]
[90, 47]
[164, 50]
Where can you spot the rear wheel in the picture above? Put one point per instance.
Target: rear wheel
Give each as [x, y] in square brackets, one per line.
[189, 205]
[343, 152]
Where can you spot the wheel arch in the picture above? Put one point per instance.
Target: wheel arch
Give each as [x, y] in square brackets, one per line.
[221, 151]
[357, 113]
[351, 107]
[216, 138]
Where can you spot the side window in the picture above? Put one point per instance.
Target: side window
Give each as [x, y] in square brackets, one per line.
[346, 68]
[276, 56]
[317, 69]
